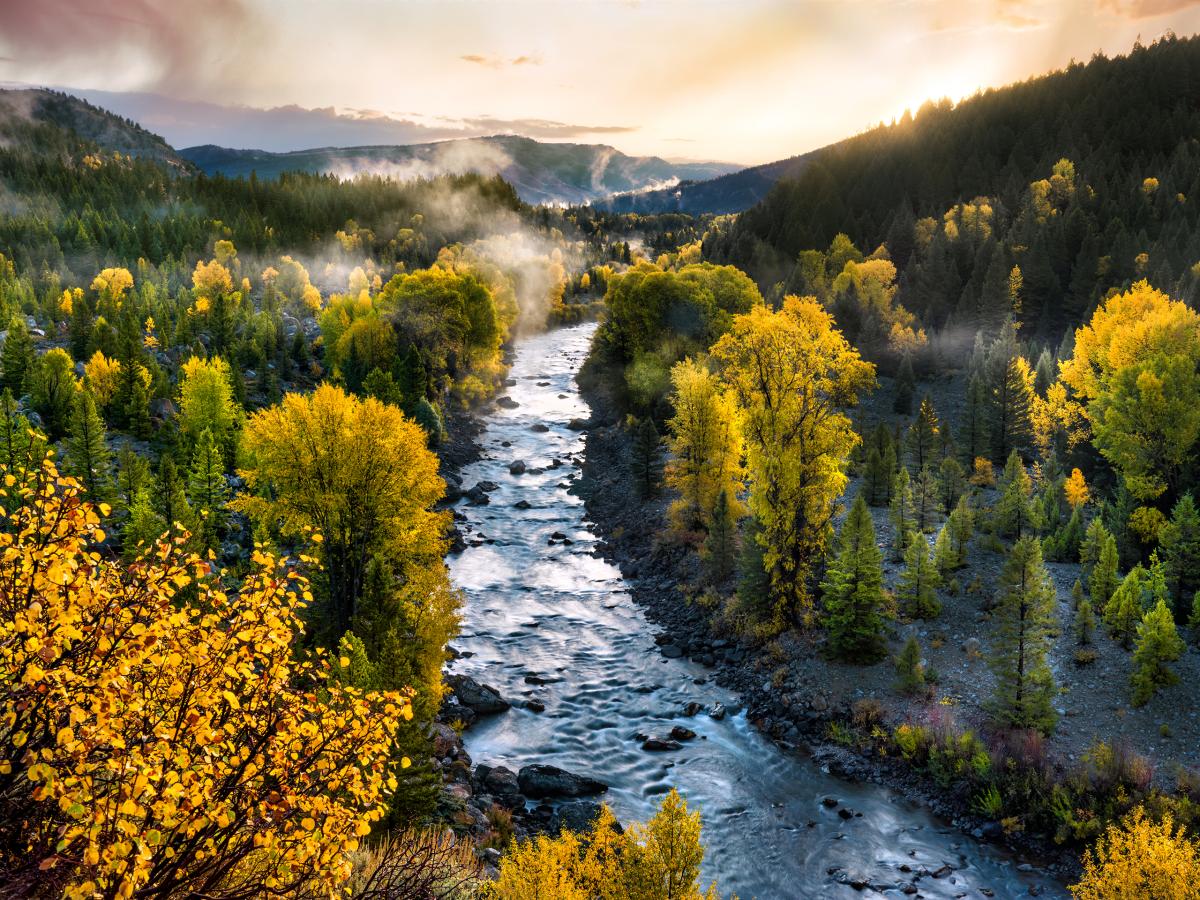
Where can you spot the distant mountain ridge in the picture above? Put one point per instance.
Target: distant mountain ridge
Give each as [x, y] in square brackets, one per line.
[540, 172]
[39, 106]
[729, 193]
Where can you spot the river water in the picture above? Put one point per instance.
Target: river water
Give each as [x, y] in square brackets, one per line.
[555, 613]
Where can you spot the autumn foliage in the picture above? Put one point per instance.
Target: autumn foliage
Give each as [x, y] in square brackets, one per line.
[161, 735]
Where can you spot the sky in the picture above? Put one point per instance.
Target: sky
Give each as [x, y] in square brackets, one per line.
[744, 81]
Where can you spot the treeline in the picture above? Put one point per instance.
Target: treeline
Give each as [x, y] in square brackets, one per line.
[957, 196]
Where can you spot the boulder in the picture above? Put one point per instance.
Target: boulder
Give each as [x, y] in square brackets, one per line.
[479, 698]
[507, 403]
[477, 496]
[578, 424]
[679, 733]
[539, 427]
[501, 783]
[516, 467]
[659, 745]
[537, 781]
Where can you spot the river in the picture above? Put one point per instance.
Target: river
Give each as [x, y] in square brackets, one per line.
[555, 612]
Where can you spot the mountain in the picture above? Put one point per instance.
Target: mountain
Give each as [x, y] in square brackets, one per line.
[730, 193]
[1045, 196]
[25, 107]
[551, 173]
[1119, 120]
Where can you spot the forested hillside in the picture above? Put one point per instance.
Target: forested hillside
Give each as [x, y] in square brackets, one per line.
[957, 191]
[539, 172]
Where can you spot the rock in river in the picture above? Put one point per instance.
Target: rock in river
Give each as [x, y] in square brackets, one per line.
[538, 781]
[657, 744]
[479, 698]
[516, 467]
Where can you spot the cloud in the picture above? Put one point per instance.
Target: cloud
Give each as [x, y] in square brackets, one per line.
[1145, 9]
[496, 62]
[187, 123]
[140, 43]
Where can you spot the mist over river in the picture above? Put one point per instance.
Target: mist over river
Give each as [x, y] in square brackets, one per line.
[549, 610]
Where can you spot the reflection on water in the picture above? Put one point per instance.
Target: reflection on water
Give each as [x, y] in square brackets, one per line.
[545, 608]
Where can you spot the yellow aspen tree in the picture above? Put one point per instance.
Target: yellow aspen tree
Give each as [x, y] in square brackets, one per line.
[1139, 860]
[164, 733]
[793, 373]
[1075, 489]
[706, 447]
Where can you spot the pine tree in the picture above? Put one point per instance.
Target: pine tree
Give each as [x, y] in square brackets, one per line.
[1158, 644]
[974, 431]
[1104, 580]
[1024, 623]
[646, 458]
[853, 590]
[944, 555]
[1015, 514]
[1125, 607]
[1194, 618]
[87, 452]
[16, 358]
[919, 581]
[953, 480]
[1179, 541]
[207, 488]
[922, 440]
[1085, 622]
[719, 551]
[753, 584]
[17, 446]
[1012, 402]
[906, 385]
[926, 500]
[901, 513]
[133, 475]
[910, 674]
[1077, 594]
[962, 528]
[170, 502]
[144, 527]
[1093, 543]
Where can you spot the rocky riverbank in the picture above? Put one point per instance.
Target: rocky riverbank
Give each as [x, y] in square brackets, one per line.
[786, 690]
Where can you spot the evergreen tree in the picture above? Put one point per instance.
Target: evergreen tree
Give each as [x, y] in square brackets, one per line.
[719, 551]
[754, 584]
[1012, 402]
[52, 390]
[646, 458]
[974, 431]
[944, 555]
[207, 488]
[1015, 514]
[1103, 581]
[16, 358]
[170, 502]
[926, 500]
[923, 435]
[1077, 595]
[1158, 644]
[906, 385]
[910, 674]
[144, 526]
[1085, 622]
[88, 457]
[133, 475]
[1064, 544]
[962, 528]
[137, 411]
[853, 590]
[1093, 543]
[1194, 618]
[17, 446]
[919, 581]
[1179, 541]
[1024, 624]
[901, 513]
[953, 480]
[1125, 607]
